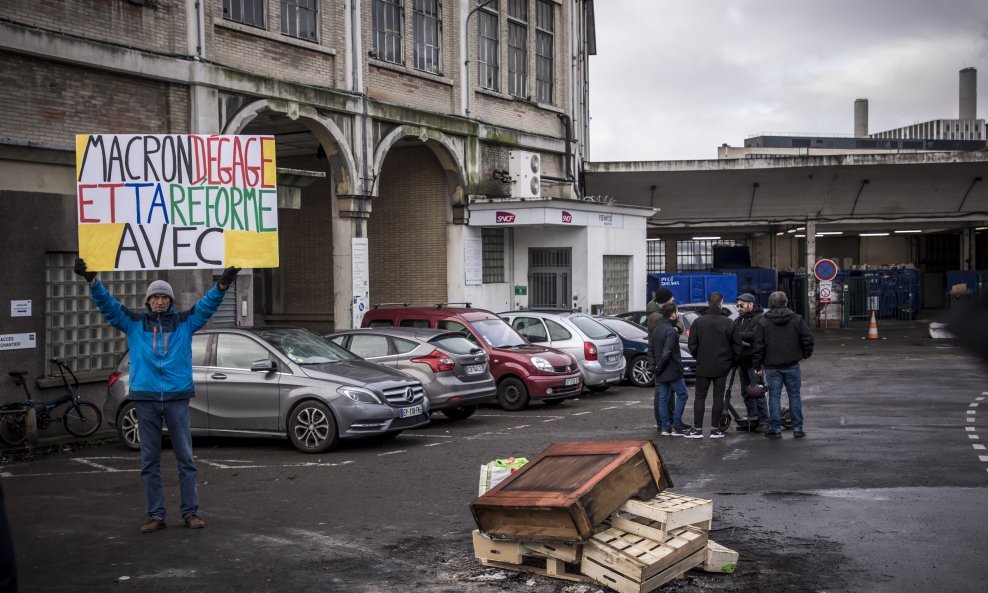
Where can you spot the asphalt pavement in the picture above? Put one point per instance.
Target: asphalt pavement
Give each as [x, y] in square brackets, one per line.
[887, 493]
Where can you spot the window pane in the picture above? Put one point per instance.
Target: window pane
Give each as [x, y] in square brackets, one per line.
[492, 246]
[404, 346]
[544, 52]
[199, 343]
[426, 25]
[487, 50]
[387, 30]
[238, 352]
[517, 60]
[248, 12]
[298, 18]
[369, 346]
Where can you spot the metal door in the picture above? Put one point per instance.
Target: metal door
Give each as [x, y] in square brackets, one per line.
[550, 277]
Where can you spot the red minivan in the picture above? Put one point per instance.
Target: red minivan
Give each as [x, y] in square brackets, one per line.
[521, 370]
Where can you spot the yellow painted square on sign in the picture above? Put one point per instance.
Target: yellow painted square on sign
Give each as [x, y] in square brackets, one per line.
[98, 245]
[247, 249]
[80, 149]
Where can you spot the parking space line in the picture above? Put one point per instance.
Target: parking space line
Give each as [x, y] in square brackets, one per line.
[973, 436]
[974, 405]
[393, 452]
[969, 428]
[972, 411]
[582, 413]
[978, 446]
[427, 436]
[983, 458]
[437, 444]
[980, 398]
[970, 419]
[91, 463]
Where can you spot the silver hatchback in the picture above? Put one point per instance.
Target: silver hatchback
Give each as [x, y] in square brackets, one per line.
[452, 369]
[282, 382]
[596, 347]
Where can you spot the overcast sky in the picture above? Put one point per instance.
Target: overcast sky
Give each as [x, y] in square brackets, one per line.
[673, 80]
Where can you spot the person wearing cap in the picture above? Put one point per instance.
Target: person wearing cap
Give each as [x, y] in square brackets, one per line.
[160, 341]
[749, 312]
[662, 296]
[668, 364]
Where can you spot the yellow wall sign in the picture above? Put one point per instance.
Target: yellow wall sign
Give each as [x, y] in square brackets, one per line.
[177, 201]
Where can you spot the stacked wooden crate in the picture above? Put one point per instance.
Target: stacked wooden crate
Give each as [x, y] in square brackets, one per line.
[584, 512]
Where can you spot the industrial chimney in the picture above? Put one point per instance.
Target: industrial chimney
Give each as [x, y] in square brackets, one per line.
[861, 118]
[969, 94]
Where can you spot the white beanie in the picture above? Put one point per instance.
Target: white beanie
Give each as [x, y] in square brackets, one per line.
[159, 287]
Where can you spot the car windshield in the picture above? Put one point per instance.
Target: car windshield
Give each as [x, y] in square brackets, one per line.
[302, 346]
[497, 333]
[626, 329]
[455, 344]
[593, 329]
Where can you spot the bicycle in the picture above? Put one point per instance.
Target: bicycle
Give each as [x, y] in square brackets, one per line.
[80, 419]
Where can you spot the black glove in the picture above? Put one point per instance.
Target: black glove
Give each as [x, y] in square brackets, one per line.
[80, 270]
[229, 275]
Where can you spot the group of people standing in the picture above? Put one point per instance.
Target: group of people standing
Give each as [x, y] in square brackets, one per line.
[762, 347]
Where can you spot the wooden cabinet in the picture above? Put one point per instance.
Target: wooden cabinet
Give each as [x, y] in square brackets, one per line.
[568, 490]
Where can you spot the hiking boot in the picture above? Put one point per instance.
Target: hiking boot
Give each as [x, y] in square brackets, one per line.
[679, 431]
[694, 433]
[716, 434]
[773, 434]
[666, 432]
[153, 524]
[798, 434]
[194, 522]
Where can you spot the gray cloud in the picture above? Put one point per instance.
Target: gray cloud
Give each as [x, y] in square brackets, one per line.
[675, 80]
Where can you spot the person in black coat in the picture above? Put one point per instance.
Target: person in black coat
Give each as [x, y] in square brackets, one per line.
[715, 346]
[782, 339]
[668, 364]
[749, 312]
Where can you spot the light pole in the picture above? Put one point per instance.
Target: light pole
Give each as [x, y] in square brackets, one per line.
[466, 37]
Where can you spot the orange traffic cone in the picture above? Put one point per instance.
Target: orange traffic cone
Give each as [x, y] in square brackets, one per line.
[873, 328]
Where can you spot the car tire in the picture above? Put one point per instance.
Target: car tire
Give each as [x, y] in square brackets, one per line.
[312, 428]
[641, 371]
[512, 395]
[597, 388]
[127, 427]
[460, 413]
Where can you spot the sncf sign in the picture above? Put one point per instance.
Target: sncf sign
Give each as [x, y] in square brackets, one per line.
[567, 217]
[504, 217]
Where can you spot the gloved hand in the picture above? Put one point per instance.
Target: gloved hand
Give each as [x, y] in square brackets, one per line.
[229, 275]
[80, 270]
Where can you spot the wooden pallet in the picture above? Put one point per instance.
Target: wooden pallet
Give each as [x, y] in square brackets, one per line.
[630, 563]
[654, 518]
[485, 548]
[719, 558]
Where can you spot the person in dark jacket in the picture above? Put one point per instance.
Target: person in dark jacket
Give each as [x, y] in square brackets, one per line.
[662, 296]
[782, 339]
[160, 342]
[749, 312]
[668, 364]
[715, 346]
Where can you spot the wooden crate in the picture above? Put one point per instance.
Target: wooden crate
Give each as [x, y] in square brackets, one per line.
[663, 513]
[485, 548]
[630, 563]
[541, 565]
[571, 553]
[719, 558]
[569, 489]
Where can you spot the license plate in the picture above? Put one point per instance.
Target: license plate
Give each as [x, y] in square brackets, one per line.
[412, 411]
[572, 381]
[475, 369]
[612, 356]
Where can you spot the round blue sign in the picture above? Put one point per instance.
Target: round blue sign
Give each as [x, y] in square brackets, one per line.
[825, 270]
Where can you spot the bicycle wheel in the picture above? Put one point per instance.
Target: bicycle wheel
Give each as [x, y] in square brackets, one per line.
[82, 419]
[13, 430]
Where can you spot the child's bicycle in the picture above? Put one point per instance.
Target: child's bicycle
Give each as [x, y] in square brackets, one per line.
[80, 419]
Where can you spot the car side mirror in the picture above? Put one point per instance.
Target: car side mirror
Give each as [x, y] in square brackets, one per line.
[264, 366]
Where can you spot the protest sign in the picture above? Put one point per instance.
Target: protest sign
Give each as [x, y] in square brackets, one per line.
[176, 201]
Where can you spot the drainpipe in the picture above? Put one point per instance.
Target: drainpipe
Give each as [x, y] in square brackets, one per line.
[466, 42]
[568, 123]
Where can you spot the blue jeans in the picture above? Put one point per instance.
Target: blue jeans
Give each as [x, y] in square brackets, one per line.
[661, 403]
[174, 415]
[792, 378]
[755, 407]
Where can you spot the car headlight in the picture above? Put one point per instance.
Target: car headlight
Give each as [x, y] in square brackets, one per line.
[360, 395]
[541, 364]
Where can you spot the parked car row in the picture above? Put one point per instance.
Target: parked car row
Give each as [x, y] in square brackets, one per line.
[389, 376]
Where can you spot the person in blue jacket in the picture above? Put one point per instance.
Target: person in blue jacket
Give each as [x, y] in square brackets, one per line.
[160, 342]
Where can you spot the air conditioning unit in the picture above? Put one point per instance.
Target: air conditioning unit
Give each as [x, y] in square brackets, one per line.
[525, 169]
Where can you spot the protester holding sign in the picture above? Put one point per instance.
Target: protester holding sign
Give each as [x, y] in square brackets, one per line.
[160, 342]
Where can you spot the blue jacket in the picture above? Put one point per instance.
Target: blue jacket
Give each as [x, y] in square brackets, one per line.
[160, 343]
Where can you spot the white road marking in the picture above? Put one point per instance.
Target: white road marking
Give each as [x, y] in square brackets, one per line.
[973, 436]
[969, 428]
[978, 446]
[520, 426]
[582, 413]
[980, 398]
[735, 454]
[970, 419]
[983, 458]
[427, 436]
[974, 405]
[972, 411]
[437, 444]
[393, 452]
[91, 463]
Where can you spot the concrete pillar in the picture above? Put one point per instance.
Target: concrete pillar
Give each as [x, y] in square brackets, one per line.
[354, 210]
[967, 248]
[811, 283]
[672, 265]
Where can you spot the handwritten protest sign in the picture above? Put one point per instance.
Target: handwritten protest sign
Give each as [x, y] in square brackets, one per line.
[176, 201]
